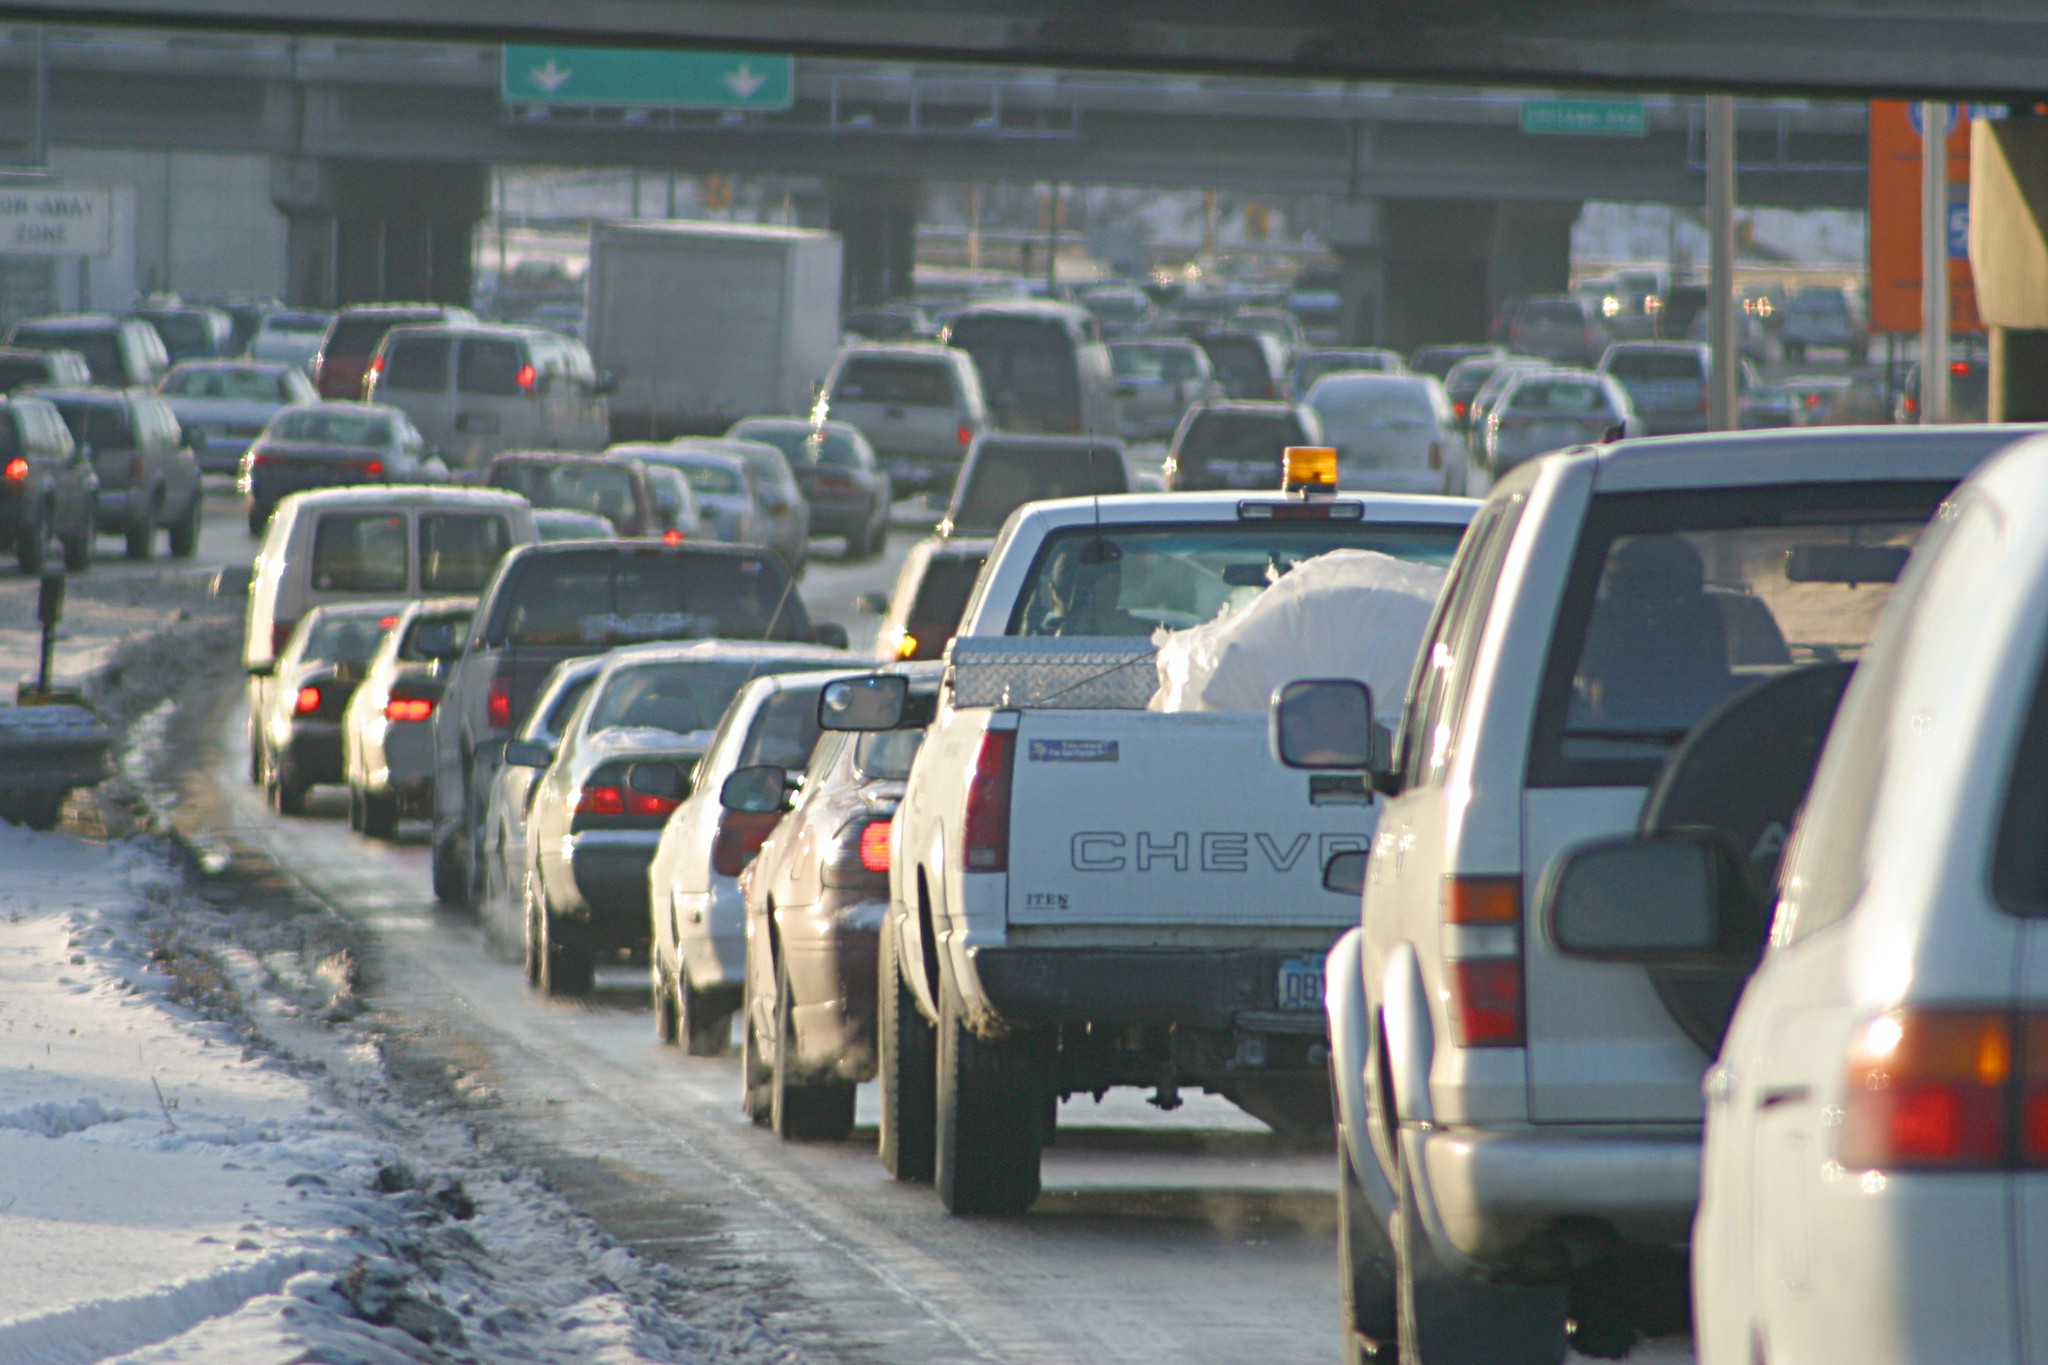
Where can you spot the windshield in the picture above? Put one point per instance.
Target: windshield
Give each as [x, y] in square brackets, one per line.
[785, 729]
[1130, 580]
[1679, 601]
[901, 383]
[606, 490]
[1028, 370]
[616, 595]
[332, 427]
[681, 697]
[240, 385]
[885, 755]
[1235, 449]
[1003, 477]
[1658, 363]
[343, 639]
[1571, 396]
[712, 478]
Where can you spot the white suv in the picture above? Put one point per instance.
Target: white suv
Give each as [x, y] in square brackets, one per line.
[1521, 1115]
[1876, 1176]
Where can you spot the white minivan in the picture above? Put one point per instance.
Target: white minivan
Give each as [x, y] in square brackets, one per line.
[1875, 1184]
[474, 391]
[369, 544]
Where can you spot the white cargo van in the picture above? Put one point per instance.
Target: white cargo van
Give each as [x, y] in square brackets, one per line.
[475, 391]
[355, 544]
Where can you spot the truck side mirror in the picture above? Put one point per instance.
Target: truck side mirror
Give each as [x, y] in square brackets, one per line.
[760, 790]
[874, 702]
[528, 753]
[1674, 899]
[1345, 872]
[1327, 723]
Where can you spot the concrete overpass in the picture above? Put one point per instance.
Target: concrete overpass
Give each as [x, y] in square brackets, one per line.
[376, 149]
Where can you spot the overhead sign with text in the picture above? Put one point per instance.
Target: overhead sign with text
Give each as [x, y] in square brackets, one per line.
[56, 220]
[646, 77]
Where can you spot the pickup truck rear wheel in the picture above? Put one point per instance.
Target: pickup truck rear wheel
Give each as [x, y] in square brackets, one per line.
[141, 535]
[907, 1061]
[990, 1126]
[1451, 1318]
[185, 530]
[1366, 1277]
[802, 1110]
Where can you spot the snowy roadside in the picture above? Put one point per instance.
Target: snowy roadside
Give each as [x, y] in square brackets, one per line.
[203, 1156]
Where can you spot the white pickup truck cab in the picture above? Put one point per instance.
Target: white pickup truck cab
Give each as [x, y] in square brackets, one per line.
[1520, 1113]
[1876, 1174]
[1087, 894]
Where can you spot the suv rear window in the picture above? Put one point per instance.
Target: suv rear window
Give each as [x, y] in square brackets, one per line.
[460, 550]
[580, 487]
[17, 372]
[1029, 370]
[358, 335]
[1241, 364]
[1558, 395]
[360, 552]
[102, 425]
[490, 367]
[1664, 613]
[1226, 449]
[1657, 364]
[904, 383]
[417, 363]
[600, 597]
[1003, 477]
[1555, 312]
[101, 348]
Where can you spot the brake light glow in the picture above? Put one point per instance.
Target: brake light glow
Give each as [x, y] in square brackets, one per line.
[377, 365]
[986, 829]
[408, 709]
[527, 376]
[874, 847]
[599, 800]
[1484, 976]
[1301, 511]
[640, 803]
[17, 469]
[965, 436]
[307, 702]
[498, 702]
[1928, 1088]
[373, 468]
[672, 536]
[740, 836]
[1959, 367]
[1460, 410]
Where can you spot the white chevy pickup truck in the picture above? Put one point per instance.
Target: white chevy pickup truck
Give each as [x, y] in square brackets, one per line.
[1086, 893]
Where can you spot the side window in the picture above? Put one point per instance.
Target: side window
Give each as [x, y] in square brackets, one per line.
[2019, 868]
[416, 364]
[10, 437]
[1827, 866]
[360, 552]
[1443, 670]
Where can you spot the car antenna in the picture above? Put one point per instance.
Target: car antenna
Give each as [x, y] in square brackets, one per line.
[1098, 550]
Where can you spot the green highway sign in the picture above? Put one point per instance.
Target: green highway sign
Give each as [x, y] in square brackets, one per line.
[1585, 118]
[535, 74]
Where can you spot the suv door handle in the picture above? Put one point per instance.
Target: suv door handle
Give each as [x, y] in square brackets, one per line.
[1783, 1094]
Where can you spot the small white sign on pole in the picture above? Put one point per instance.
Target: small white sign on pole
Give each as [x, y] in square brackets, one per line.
[56, 220]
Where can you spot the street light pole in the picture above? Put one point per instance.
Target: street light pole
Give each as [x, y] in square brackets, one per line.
[1934, 262]
[1722, 414]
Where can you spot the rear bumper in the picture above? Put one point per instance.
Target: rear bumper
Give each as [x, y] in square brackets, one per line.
[610, 870]
[1491, 1194]
[312, 750]
[840, 515]
[1187, 988]
[917, 472]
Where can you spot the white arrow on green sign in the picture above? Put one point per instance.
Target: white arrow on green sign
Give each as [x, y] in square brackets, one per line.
[535, 74]
[1585, 118]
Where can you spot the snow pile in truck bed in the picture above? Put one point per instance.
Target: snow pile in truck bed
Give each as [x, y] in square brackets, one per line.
[1347, 614]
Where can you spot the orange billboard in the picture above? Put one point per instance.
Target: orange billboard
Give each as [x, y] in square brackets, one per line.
[1895, 219]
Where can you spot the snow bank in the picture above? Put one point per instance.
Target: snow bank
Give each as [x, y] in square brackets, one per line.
[1347, 614]
[175, 1185]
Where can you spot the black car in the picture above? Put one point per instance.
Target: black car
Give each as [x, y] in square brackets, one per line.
[836, 468]
[299, 736]
[47, 488]
[148, 478]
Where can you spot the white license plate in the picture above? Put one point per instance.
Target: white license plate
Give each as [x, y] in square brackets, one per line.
[1301, 984]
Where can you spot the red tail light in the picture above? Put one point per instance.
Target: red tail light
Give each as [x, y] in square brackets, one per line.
[1959, 367]
[1485, 978]
[527, 376]
[498, 702]
[602, 800]
[307, 702]
[740, 836]
[280, 635]
[17, 469]
[1460, 410]
[874, 846]
[640, 803]
[407, 709]
[377, 365]
[1912, 406]
[965, 436]
[372, 468]
[987, 826]
[1929, 1088]
[671, 536]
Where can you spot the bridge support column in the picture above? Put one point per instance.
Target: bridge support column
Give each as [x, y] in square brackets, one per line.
[1354, 237]
[877, 220]
[1449, 263]
[2009, 258]
[359, 231]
